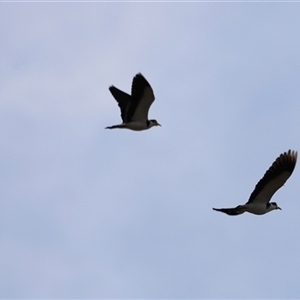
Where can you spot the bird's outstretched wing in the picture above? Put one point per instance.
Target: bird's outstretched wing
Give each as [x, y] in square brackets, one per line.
[232, 211]
[123, 100]
[275, 177]
[142, 97]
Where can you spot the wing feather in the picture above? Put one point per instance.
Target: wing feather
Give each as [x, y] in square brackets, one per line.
[142, 97]
[274, 178]
[123, 100]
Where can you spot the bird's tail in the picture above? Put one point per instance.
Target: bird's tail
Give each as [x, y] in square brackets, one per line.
[231, 211]
[116, 126]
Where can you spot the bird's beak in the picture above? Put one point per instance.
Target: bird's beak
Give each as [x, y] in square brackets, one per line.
[158, 124]
[279, 208]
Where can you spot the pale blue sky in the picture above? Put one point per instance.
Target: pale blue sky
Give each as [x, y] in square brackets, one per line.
[93, 213]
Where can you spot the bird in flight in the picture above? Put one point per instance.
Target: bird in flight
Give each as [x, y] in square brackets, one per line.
[135, 107]
[275, 177]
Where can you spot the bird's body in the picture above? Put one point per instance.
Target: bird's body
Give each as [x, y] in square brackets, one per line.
[254, 208]
[135, 107]
[275, 177]
[134, 125]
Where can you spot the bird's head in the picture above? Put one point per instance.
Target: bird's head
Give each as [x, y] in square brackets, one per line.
[275, 206]
[154, 123]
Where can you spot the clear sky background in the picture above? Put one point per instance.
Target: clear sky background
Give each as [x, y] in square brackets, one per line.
[94, 213]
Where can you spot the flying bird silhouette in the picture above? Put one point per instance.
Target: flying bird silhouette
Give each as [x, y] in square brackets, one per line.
[135, 107]
[275, 177]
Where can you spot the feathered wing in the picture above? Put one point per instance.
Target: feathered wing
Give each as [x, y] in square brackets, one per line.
[232, 211]
[123, 100]
[142, 97]
[275, 177]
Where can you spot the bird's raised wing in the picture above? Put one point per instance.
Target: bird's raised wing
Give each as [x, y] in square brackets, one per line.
[142, 97]
[123, 100]
[275, 177]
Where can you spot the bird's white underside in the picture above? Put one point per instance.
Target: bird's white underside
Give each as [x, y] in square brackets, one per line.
[257, 208]
[137, 125]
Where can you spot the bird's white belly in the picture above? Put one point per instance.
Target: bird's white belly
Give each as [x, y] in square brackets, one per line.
[137, 126]
[256, 208]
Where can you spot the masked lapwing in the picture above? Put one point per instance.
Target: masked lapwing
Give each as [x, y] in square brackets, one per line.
[259, 201]
[135, 107]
